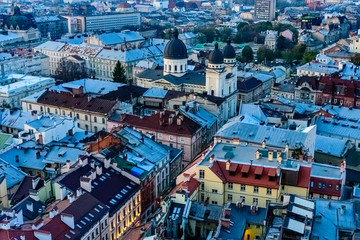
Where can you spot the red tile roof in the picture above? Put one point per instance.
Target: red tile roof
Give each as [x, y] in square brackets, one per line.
[67, 100]
[15, 234]
[161, 124]
[219, 168]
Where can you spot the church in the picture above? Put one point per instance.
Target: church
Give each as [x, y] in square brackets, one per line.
[219, 79]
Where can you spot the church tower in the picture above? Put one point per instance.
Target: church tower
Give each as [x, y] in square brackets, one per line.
[175, 56]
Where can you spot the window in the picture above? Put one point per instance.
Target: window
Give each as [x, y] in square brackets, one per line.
[256, 189]
[330, 185]
[160, 135]
[103, 120]
[214, 191]
[182, 139]
[86, 127]
[95, 129]
[230, 185]
[77, 116]
[311, 184]
[214, 202]
[64, 113]
[175, 68]
[337, 187]
[328, 196]
[171, 138]
[86, 117]
[56, 111]
[243, 187]
[268, 191]
[255, 201]
[169, 67]
[230, 197]
[202, 197]
[268, 202]
[321, 196]
[181, 68]
[242, 199]
[30, 106]
[202, 186]
[201, 174]
[48, 110]
[41, 109]
[95, 119]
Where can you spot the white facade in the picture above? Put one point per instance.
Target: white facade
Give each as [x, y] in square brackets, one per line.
[22, 86]
[36, 64]
[176, 67]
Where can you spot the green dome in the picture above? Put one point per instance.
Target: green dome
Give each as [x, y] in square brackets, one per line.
[18, 20]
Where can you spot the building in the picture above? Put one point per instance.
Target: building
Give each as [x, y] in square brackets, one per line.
[24, 62]
[78, 100]
[251, 176]
[167, 127]
[327, 181]
[52, 27]
[122, 193]
[271, 39]
[219, 79]
[265, 10]
[102, 22]
[18, 86]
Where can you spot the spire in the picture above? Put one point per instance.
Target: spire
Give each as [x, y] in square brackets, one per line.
[176, 33]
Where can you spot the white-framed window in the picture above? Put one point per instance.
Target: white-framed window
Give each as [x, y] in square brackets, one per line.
[160, 135]
[256, 189]
[230, 197]
[268, 191]
[171, 137]
[201, 174]
[182, 139]
[243, 187]
[255, 201]
[230, 185]
[214, 191]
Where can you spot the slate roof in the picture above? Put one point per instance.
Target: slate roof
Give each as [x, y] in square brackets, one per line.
[125, 93]
[24, 188]
[66, 100]
[161, 124]
[329, 145]
[248, 84]
[38, 208]
[189, 78]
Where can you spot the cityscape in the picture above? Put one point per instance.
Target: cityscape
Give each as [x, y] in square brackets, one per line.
[180, 119]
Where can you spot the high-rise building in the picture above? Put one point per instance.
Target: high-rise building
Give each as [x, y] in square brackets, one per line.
[265, 9]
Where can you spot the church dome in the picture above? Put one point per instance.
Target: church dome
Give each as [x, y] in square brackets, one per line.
[18, 20]
[175, 49]
[229, 51]
[216, 56]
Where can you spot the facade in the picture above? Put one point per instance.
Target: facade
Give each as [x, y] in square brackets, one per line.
[122, 198]
[105, 22]
[265, 10]
[99, 60]
[91, 113]
[33, 64]
[21, 86]
[258, 177]
[52, 27]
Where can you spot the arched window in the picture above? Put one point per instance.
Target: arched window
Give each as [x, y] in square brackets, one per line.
[181, 68]
[169, 68]
[165, 67]
[175, 68]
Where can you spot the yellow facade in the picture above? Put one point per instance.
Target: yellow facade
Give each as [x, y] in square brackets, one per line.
[216, 192]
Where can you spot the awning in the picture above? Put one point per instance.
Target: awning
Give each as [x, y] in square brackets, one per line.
[259, 170]
[272, 172]
[245, 168]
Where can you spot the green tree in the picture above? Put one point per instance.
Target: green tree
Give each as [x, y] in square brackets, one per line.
[210, 33]
[247, 54]
[308, 56]
[119, 73]
[225, 34]
[262, 27]
[356, 59]
[245, 34]
[265, 54]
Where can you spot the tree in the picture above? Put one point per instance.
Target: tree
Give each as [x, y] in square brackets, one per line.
[119, 73]
[262, 27]
[308, 56]
[225, 34]
[356, 59]
[264, 54]
[245, 34]
[209, 33]
[71, 69]
[247, 54]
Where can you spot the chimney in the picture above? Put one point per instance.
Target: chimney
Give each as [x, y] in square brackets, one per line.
[178, 120]
[236, 141]
[225, 223]
[309, 158]
[270, 155]
[68, 219]
[53, 212]
[301, 157]
[287, 150]
[264, 144]
[85, 183]
[71, 197]
[38, 154]
[30, 206]
[92, 164]
[98, 170]
[68, 164]
[257, 154]
[343, 165]
[107, 162]
[278, 156]
[79, 192]
[186, 177]
[212, 157]
[228, 162]
[171, 119]
[37, 225]
[227, 212]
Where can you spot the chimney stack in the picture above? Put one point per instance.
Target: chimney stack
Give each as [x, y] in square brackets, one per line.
[212, 158]
[264, 144]
[270, 155]
[257, 154]
[278, 156]
[236, 141]
[228, 162]
[225, 223]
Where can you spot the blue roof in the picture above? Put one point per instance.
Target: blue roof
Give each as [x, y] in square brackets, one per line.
[332, 146]
[119, 38]
[12, 175]
[155, 92]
